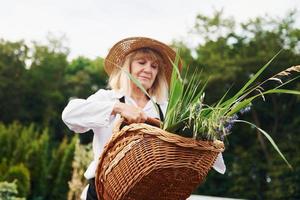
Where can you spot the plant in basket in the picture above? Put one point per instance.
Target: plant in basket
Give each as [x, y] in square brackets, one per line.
[189, 116]
[200, 129]
[169, 161]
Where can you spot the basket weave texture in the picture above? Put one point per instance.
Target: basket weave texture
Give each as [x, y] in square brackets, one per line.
[144, 162]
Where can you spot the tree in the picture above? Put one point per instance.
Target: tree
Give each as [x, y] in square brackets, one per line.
[13, 56]
[229, 57]
[29, 157]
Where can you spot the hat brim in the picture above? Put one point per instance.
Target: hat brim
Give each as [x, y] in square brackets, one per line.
[121, 49]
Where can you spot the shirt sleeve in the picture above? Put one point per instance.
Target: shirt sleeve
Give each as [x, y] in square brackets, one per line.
[219, 164]
[81, 115]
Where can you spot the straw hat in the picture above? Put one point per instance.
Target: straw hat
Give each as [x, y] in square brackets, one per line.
[120, 50]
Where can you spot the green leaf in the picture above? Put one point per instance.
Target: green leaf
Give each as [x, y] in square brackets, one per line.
[280, 91]
[242, 91]
[176, 90]
[238, 106]
[270, 140]
[246, 102]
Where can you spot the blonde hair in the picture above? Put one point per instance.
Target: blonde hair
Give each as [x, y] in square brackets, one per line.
[119, 80]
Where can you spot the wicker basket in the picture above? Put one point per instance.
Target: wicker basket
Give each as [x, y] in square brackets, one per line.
[144, 162]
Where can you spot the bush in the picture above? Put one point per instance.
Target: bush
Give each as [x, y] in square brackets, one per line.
[40, 167]
[21, 174]
[8, 191]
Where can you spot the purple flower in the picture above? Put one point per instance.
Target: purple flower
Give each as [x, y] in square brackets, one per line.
[229, 127]
[234, 117]
[245, 110]
[229, 123]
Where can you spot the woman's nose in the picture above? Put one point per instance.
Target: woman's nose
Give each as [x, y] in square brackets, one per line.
[148, 67]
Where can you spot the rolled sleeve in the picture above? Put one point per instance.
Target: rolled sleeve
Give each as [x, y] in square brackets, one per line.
[81, 115]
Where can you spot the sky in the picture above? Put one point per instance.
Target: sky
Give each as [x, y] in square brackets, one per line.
[91, 27]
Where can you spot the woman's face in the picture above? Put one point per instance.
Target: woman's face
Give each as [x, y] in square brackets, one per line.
[145, 70]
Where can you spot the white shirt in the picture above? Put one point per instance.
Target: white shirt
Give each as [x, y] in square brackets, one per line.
[94, 113]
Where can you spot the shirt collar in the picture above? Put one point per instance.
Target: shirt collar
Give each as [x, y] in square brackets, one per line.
[118, 94]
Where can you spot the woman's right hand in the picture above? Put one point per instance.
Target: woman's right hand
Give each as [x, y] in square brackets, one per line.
[131, 114]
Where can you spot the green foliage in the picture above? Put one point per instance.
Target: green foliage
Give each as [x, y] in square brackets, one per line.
[184, 95]
[186, 109]
[54, 164]
[82, 158]
[26, 145]
[229, 59]
[85, 76]
[64, 172]
[37, 80]
[8, 191]
[21, 175]
[12, 69]
[27, 156]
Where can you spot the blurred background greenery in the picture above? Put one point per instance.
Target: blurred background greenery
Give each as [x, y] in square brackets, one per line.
[41, 159]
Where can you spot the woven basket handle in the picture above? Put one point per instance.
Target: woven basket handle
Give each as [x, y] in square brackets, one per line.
[150, 121]
[153, 122]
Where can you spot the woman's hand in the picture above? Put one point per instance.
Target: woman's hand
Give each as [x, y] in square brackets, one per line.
[131, 113]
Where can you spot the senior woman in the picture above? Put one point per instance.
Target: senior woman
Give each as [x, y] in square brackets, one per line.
[146, 59]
